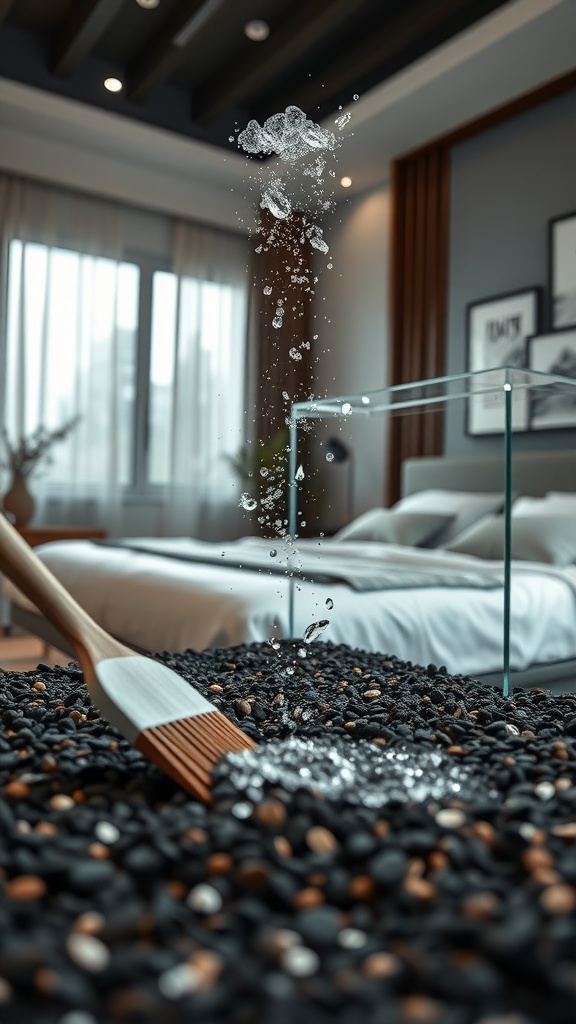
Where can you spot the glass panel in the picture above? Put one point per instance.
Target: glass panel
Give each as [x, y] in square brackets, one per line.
[504, 401]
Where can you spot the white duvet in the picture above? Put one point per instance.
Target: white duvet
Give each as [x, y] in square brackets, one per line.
[159, 603]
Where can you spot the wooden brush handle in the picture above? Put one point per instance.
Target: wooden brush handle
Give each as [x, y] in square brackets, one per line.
[31, 576]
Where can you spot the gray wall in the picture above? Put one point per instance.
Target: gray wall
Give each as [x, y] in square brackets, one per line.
[506, 185]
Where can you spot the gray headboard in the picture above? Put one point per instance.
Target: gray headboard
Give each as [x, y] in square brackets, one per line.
[533, 473]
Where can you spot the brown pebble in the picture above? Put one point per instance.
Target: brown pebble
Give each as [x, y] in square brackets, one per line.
[372, 694]
[480, 906]
[218, 863]
[362, 887]
[45, 980]
[26, 887]
[381, 828]
[282, 846]
[89, 923]
[271, 812]
[216, 688]
[243, 708]
[308, 897]
[16, 790]
[46, 828]
[49, 763]
[563, 783]
[278, 699]
[195, 835]
[321, 840]
[99, 851]
[559, 898]
[417, 1009]
[380, 965]
[379, 741]
[455, 750]
[420, 888]
[253, 874]
[349, 725]
[317, 878]
[177, 889]
[537, 857]
[38, 685]
[509, 762]
[565, 831]
[438, 860]
[209, 965]
[484, 831]
[416, 866]
[129, 1002]
[61, 802]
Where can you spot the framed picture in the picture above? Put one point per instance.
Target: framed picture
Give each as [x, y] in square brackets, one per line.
[562, 269]
[497, 329]
[550, 406]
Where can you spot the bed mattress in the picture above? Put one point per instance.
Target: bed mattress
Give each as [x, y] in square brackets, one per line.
[159, 602]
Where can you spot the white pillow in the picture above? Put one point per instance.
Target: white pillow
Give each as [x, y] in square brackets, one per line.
[547, 539]
[555, 503]
[388, 526]
[466, 507]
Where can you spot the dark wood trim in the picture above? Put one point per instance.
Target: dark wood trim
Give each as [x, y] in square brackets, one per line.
[83, 29]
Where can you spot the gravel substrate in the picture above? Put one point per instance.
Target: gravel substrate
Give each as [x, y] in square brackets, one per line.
[121, 899]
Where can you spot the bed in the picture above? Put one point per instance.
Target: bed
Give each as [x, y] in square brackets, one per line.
[423, 604]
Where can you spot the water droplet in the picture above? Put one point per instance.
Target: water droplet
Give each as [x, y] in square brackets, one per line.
[267, 289]
[329, 266]
[346, 409]
[329, 603]
[277, 323]
[329, 457]
[230, 138]
[247, 502]
[293, 353]
[300, 473]
[355, 96]
[273, 553]
[312, 632]
[302, 652]
[285, 396]
[365, 400]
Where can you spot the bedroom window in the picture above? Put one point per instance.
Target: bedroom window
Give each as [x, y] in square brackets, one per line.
[148, 358]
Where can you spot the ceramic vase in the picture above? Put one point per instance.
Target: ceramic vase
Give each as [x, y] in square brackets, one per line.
[18, 501]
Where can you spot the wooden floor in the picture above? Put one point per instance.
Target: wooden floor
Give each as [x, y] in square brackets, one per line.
[21, 652]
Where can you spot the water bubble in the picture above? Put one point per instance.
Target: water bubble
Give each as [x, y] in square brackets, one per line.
[273, 553]
[312, 632]
[230, 138]
[285, 396]
[302, 652]
[365, 400]
[342, 121]
[314, 234]
[263, 471]
[267, 289]
[346, 409]
[329, 603]
[277, 322]
[355, 96]
[247, 502]
[293, 353]
[329, 457]
[300, 473]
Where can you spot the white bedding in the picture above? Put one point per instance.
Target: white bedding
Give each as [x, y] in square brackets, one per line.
[159, 603]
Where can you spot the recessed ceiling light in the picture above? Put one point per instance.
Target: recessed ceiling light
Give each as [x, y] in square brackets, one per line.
[257, 30]
[113, 84]
[345, 181]
[148, 4]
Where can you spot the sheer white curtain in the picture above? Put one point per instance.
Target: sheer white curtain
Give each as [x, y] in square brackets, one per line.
[69, 330]
[148, 350]
[204, 356]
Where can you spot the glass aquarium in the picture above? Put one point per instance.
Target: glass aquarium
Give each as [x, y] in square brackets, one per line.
[500, 404]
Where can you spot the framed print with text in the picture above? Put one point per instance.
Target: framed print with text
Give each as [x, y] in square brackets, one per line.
[497, 329]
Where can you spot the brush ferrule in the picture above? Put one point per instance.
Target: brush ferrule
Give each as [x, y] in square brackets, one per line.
[138, 693]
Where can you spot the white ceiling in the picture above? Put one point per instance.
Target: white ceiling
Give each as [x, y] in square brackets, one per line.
[521, 46]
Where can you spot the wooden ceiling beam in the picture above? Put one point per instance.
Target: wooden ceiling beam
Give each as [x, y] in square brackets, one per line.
[380, 47]
[273, 56]
[5, 6]
[171, 49]
[87, 24]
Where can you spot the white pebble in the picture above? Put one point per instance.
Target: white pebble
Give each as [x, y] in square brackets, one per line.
[106, 832]
[352, 938]
[527, 830]
[300, 962]
[179, 980]
[450, 817]
[512, 730]
[243, 809]
[88, 952]
[77, 1017]
[205, 899]
[545, 790]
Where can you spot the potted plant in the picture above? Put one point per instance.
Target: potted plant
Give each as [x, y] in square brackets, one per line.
[22, 459]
